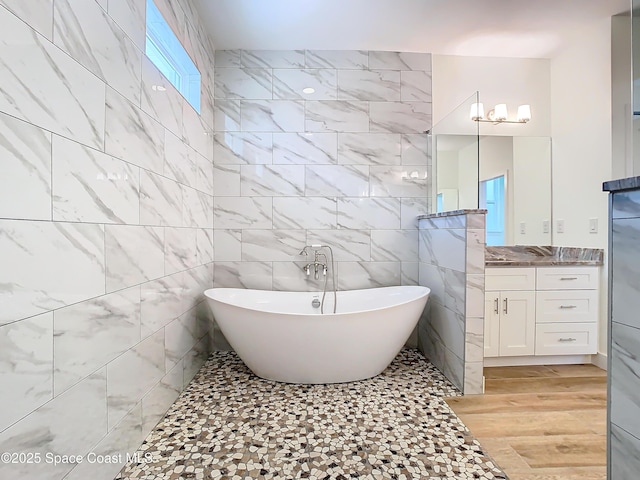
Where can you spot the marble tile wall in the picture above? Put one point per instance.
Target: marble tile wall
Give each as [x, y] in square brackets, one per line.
[346, 165]
[451, 330]
[106, 230]
[624, 367]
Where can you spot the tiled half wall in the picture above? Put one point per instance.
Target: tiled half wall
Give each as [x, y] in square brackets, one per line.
[345, 166]
[106, 230]
[451, 330]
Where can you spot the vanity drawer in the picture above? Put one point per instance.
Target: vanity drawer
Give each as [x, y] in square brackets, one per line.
[566, 338]
[566, 306]
[567, 278]
[510, 278]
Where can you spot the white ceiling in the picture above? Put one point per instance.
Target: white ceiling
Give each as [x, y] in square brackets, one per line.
[497, 28]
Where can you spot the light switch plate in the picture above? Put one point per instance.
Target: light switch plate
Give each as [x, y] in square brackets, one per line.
[546, 226]
[560, 226]
[593, 225]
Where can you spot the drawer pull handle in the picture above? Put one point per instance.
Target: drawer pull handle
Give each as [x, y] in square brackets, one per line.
[568, 278]
[568, 306]
[496, 308]
[567, 339]
[506, 305]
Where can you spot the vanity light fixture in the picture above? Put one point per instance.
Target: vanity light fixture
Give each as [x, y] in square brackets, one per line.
[499, 114]
[158, 88]
[308, 90]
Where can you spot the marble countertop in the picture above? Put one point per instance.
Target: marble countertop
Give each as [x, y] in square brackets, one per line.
[452, 213]
[622, 184]
[533, 256]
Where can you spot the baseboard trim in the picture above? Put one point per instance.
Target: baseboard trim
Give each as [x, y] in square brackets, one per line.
[600, 360]
[538, 360]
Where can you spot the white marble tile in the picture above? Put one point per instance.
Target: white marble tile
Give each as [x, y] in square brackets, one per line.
[204, 174]
[454, 291]
[227, 58]
[197, 208]
[347, 245]
[194, 360]
[180, 337]
[474, 340]
[25, 183]
[368, 213]
[357, 275]
[473, 378]
[162, 300]
[226, 180]
[133, 254]
[272, 58]
[195, 132]
[272, 245]
[625, 454]
[90, 334]
[289, 84]
[272, 115]
[196, 281]
[26, 367]
[160, 200]
[474, 303]
[475, 251]
[87, 33]
[369, 85]
[242, 212]
[204, 245]
[272, 180]
[156, 403]
[132, 374]
[174, 16]
[70, 424]
[121, 443]
[226, 115]
[305, 148]
[624, 371]
[242, 148]
[400, 61]
[410, 272]
[38, 14]
[626, 273]
[369, 148]
[256, 275]
[33, 254]
[448, 249]
[346, 59]
[337, 180]
[251, 83]
[433, 277]
[89, 186]
[160, 99]
[400, 117]
[32, 69]
[130, 16]
[195, 40]
[179, 160]
[415, 86]
[410, 208]
[475, 220]
[399, 181]
[336, 116]
[304, 212]
[394, 245]
[132, 135]
[449, 328]
[179, 249]
[290, 277]
[415, 148]
[227, 245]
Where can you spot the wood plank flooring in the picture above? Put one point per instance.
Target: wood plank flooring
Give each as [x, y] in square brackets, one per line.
[541, 422]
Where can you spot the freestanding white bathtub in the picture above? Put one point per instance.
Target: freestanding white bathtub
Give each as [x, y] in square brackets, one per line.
[280, 336]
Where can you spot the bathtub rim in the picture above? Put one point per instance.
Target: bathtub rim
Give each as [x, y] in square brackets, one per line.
[427, 292]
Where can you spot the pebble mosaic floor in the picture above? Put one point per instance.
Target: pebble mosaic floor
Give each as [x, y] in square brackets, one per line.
[230, 424]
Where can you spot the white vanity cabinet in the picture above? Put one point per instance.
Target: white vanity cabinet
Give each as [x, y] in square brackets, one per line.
[540, 311]
[509, 313]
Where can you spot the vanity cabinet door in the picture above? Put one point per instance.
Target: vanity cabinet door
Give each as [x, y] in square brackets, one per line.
[517, 323]
[492, 324]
